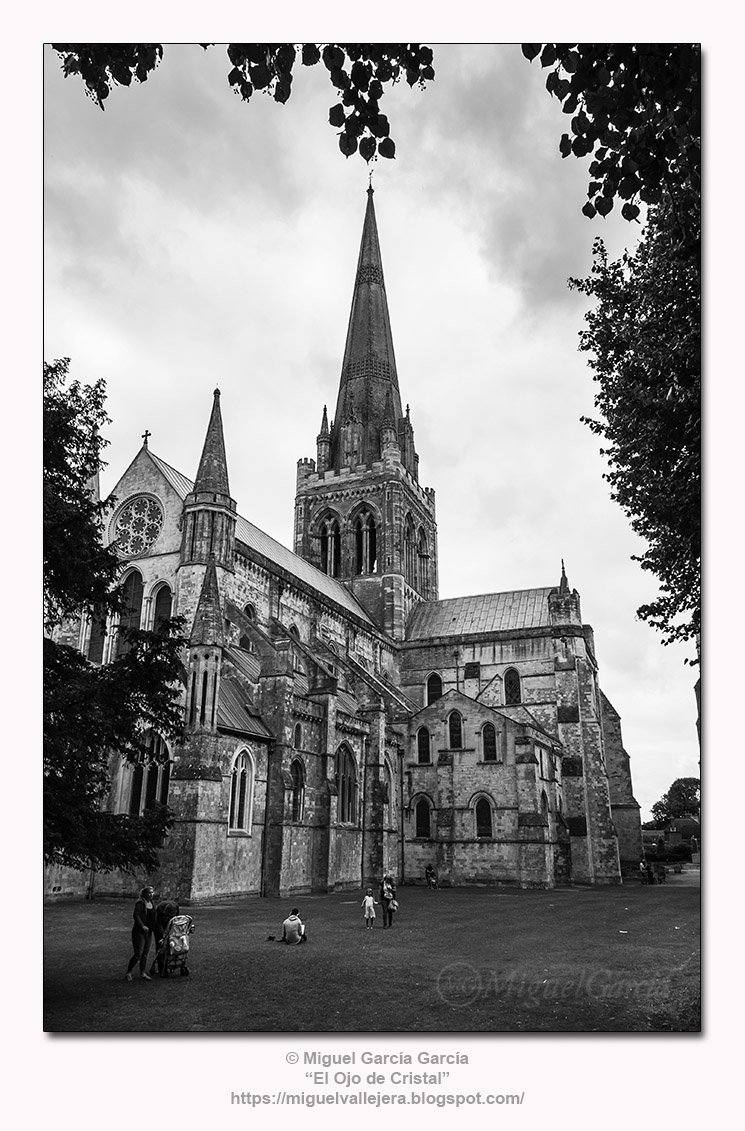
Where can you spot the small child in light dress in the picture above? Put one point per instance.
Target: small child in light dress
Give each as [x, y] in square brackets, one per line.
[369, 905]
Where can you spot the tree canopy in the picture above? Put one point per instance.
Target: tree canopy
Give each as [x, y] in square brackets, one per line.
[636, 108]
[79, 570]
[644, 341]
[683, 799]
[94, 714]
[360, 73]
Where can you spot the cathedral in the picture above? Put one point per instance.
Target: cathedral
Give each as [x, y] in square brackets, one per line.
[340, 719]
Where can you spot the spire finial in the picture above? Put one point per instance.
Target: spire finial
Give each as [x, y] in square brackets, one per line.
[145, 435]
[564, 584]
[370, 189]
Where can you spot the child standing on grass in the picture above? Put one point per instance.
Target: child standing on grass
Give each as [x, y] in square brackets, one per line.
[369, 905]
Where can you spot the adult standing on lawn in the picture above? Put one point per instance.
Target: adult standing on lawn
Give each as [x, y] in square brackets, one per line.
[142, 932]
[388, 899]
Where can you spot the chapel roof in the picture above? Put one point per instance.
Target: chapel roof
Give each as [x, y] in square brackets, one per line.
[485, 612]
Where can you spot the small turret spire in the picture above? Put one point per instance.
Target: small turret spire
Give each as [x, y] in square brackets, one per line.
[563, 584]
[213, 466]
[208, 622]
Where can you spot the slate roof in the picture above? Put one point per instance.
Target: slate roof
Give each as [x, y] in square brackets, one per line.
[232, 713]
[257, 540]
[247, 663]
[485, 612]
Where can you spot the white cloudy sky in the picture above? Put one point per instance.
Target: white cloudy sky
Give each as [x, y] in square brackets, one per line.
[193, 240]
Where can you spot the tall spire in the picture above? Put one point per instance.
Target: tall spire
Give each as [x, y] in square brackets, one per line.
[213, 466]
[368, 372]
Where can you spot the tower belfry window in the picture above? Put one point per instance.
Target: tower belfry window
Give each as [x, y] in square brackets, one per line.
[365, 543]
[409, 552]
[330, 547]
[422, 563]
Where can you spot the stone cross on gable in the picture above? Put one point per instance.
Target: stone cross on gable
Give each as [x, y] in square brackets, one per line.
[145, 435]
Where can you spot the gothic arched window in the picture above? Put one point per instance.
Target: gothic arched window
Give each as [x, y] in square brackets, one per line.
[297, 775]
[330, 547]
[346, 786]
[483, 818]
[422, 745]
[365, 543]
[163, 606]
[241, 793]
[249, 613]
[149, 777]
[422, 582]
[489, 739]
[388, 796]
[422, 822]
[132, 614]
[409, 551]
[512, 693]
[455, 731]
[434, 689]
[297, 740]
[98, 635]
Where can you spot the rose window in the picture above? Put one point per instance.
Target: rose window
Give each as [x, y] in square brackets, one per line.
[138, 525]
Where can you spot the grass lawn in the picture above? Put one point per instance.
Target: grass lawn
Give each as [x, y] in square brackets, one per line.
[620, 959]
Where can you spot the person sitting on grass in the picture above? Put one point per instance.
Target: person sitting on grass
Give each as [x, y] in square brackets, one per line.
[293, 929]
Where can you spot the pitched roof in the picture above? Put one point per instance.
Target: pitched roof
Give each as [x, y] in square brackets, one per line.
[233, 711]
[265, 545]
[485, 612]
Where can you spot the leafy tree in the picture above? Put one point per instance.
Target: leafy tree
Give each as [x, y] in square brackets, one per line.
[79, 570]
[636, 107]
[360, 72]
[93, 714]
[683, 799]
[644, 339]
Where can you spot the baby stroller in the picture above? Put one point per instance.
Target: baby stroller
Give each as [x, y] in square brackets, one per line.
[431, 877]
[173, 952]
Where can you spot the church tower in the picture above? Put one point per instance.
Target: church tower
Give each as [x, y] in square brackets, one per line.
[360, 514]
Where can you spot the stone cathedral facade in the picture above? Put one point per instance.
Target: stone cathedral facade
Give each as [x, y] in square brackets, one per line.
[339, 718]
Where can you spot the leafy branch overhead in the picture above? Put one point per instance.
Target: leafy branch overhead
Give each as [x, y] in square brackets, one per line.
[360, 72]
[636, 108]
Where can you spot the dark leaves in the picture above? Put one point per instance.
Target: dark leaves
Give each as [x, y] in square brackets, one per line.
[360, 73]
[643, 342]
[636, 109]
